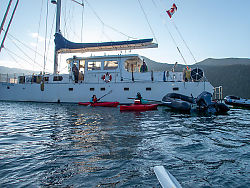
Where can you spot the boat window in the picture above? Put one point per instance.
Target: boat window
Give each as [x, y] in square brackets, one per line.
[46, 79]
[82, 66]
[126, 89]
[70, 89]
[21, 79]
[94, 65]
[57, 78]
[148, 88]
[110, 65]
[175, 88]
[132, 66]
[103, 89]
[92, 89]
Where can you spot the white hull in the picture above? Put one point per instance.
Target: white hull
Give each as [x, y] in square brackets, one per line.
[80, 92]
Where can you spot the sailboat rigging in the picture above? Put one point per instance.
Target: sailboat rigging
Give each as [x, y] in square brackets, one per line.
[86, 78]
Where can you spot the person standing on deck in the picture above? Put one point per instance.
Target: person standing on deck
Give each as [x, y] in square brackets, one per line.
[144, 67]
[76, 73]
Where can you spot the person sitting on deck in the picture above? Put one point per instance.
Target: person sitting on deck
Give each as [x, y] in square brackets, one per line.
[94, 99]
[144, 67]
[139, 99]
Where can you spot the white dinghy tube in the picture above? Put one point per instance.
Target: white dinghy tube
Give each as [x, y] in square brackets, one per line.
[165, 178]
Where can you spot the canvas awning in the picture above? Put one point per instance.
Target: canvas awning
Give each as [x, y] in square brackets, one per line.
[65, 46]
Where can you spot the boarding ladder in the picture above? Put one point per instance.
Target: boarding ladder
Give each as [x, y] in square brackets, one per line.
[218, 94]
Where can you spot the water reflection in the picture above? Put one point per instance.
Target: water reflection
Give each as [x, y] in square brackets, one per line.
[62, 145]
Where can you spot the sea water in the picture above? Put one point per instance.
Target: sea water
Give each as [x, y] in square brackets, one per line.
[66, 145]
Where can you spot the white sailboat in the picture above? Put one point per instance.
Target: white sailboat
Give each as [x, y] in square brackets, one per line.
[117, 75]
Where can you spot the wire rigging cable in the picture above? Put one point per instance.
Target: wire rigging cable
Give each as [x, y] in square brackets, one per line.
[82, 19]
[39, 24]
[25, 45]
[164, 23]
[12, 57]
[45, 42]
[98, 17]
[20, 57]
[184, 41]
[51, 31]
[147, 20]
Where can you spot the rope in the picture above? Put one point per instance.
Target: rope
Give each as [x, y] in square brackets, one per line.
[147, 20]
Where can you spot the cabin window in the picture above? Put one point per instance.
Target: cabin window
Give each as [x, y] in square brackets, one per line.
[175, 88]
[110, 65]
[28, 79]
[132, 65]
[126, 89]
[70, 89]
[21, 79]
[82, 66]
[94, 65]
[103, 89]
[36, 79]
[46, 79]
[57, 78]
[92, 89]
[148, 88]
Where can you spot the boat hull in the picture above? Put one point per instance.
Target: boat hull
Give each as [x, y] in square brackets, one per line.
[103, 104]
[237, 102]
[75, 92]
[139, 107]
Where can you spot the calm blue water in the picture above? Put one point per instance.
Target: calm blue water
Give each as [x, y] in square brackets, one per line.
[66, 145]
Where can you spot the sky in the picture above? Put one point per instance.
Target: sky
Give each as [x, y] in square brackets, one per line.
[207, 29]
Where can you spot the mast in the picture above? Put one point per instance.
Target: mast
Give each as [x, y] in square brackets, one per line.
[58, 16]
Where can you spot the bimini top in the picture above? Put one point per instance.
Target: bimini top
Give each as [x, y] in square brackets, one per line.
[65, 46]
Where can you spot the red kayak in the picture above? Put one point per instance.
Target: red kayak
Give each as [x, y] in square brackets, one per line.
[138, 107]
[104, 104]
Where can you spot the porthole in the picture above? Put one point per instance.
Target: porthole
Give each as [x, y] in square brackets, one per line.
[175, 88]
[126, 89]
[70, 89]
[103, 89]
[92, 89]
[148, 88]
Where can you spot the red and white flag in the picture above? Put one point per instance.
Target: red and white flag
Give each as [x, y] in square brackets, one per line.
[172, 10]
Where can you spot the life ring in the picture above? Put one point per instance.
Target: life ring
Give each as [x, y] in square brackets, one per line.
[107, 77]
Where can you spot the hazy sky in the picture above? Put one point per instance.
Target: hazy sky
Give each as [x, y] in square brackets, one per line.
[211, 29]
